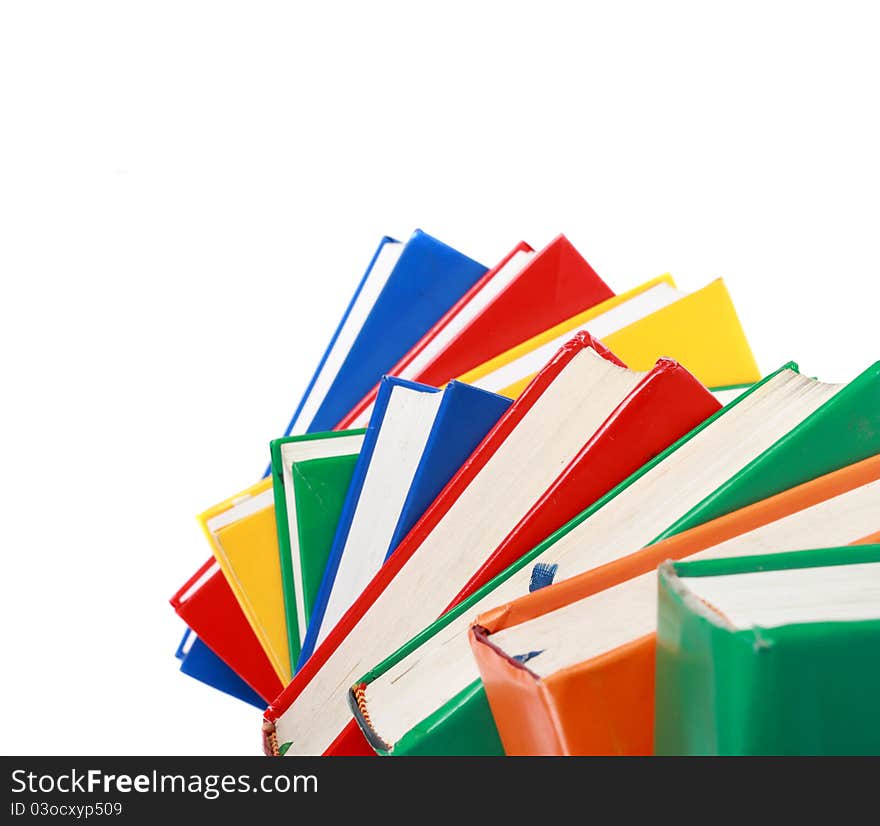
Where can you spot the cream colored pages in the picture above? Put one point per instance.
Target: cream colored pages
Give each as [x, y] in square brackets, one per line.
[545, 440]
[768, 599]
[609, 619]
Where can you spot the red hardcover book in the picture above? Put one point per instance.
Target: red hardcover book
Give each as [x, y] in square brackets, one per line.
[524, 295]
[574, 392]
[667, 403]
[207, 605]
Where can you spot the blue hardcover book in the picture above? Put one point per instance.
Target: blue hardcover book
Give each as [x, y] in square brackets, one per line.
[465, 416]
[396, 435]
[201, 663]
[407, 288]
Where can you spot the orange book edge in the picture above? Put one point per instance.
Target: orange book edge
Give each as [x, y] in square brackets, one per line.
[619, 684]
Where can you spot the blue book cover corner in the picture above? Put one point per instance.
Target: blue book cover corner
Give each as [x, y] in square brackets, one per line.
[465, 416]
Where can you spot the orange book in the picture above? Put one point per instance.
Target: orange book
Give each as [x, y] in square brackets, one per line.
[569, 669]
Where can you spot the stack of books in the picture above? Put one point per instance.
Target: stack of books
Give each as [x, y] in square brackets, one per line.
[517, 513]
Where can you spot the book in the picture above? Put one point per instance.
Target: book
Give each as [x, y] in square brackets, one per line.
[309, 496]
[207, 605]
[394, 441]
[200, 663]
[664, 406]
[418, 437]
[700, 330]
[465, 417]
[593, 693]
[770, 655]
[243, 534]
[473, 513]
[320, 490]
[407, 288]
[785, 430]
[529, 292]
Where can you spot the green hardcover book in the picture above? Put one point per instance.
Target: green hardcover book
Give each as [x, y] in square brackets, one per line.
[770, 655]
[785, 430]
[310, 478]
[320, 487]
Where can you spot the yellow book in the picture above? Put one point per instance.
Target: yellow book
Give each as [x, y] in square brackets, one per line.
[700, 330]
[244, 539]
[243, 534]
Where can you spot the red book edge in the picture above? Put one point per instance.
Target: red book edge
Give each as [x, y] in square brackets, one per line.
[666, 404]
[555, 285]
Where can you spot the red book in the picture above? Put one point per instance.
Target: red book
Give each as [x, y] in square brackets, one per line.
[208, 606]
[554, 417]
[666, 404]
[525, 294]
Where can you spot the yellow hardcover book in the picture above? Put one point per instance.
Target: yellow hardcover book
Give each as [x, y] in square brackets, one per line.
[700, 330]
[244, 539]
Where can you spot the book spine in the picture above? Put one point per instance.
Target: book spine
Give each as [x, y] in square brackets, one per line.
[692, 653]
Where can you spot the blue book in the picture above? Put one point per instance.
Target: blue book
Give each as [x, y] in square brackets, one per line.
[465, 416]
[407, 288]
[417, 439]
[201, 663]
[399, 426]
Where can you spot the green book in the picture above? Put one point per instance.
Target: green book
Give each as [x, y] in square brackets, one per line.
[310, 478]
[320, 487]
[770, 655]
[812, 429]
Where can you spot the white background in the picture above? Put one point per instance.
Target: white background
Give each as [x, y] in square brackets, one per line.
[190, 191]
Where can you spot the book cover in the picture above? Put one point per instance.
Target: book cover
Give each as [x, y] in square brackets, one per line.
[202, 664]
[770, 655]
[782, 402]
[555, 711]
[394, 440]
[207, 605]
[359, 307]
[425, 279]
[460, 315]
[530, 292]
[320, 487]
[301, 553]
[700, 330]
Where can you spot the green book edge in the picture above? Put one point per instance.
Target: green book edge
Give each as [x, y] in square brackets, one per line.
[865, 442]
[724, 387]
[783, 561]
[283, 531]
[796, 689]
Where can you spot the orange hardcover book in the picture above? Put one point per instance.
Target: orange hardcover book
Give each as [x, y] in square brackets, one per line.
[569, 669]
